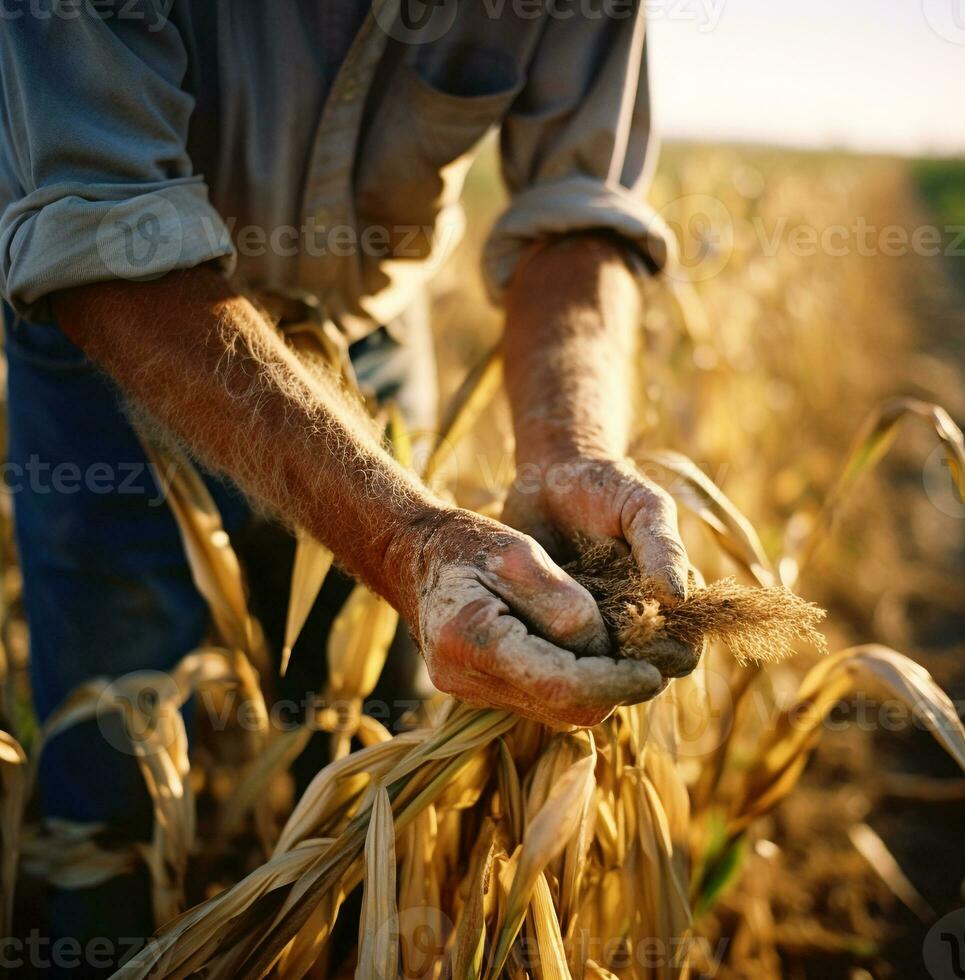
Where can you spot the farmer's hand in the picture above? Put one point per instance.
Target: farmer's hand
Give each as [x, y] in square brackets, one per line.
[601, 500]
[606, 500]
[500, 624]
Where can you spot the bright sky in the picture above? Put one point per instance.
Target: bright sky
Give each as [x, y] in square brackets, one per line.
[874, 75]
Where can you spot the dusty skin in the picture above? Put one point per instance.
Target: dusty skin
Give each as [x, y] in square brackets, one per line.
[473, 643]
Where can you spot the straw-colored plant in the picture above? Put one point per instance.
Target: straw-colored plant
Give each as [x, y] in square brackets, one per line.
[487, 846]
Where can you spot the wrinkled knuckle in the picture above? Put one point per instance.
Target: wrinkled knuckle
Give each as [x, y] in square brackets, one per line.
[650, 503]
[662, 503]
[531, 568]
[525, 551]
[510, 554]
[575, 611]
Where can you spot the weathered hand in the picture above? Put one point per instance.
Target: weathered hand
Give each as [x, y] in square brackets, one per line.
[500, 624]
[604, 500]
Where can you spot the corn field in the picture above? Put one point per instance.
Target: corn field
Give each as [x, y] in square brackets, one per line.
[486, 846]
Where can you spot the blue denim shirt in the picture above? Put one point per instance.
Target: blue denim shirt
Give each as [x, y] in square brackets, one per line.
[311, 144]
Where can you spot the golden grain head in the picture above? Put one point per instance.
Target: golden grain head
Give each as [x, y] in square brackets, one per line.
[755, 624]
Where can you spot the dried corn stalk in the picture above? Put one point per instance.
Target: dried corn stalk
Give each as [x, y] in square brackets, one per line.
[490, 847]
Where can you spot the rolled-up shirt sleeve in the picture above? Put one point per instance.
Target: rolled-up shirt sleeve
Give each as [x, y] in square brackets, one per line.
[575, 145]
[95, 179]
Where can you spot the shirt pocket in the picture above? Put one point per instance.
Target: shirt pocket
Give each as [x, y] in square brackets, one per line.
[418, 147]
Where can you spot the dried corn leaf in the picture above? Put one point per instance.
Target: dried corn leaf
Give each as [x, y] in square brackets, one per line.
[666, 889]
[466, 957]
[214, 564]
[72, 855]
[871, 847]
[545, 925]
[547, 833]
[465, 407]
[342, 866]
[192, 939]
[695, 491]
[311, 566]
[871, 444]
[594, 971]
[359, 643]
[378, 929]
[276, 758]
[784, 752]
[422, 924]
[327, 791]
[510, 794]
[304, 951]
[158, 741]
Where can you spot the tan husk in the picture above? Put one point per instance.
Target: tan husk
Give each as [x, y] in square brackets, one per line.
[755, 624]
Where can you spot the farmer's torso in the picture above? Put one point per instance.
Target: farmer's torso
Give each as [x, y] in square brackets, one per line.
[319, 143]
[335, 144]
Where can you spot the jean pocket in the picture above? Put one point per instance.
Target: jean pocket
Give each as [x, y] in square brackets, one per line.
[42, 345]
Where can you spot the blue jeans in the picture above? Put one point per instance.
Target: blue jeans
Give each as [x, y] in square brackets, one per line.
[106, 584]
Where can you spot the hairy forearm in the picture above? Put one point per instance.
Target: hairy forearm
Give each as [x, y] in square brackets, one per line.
[572, 319]
[206, 365]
